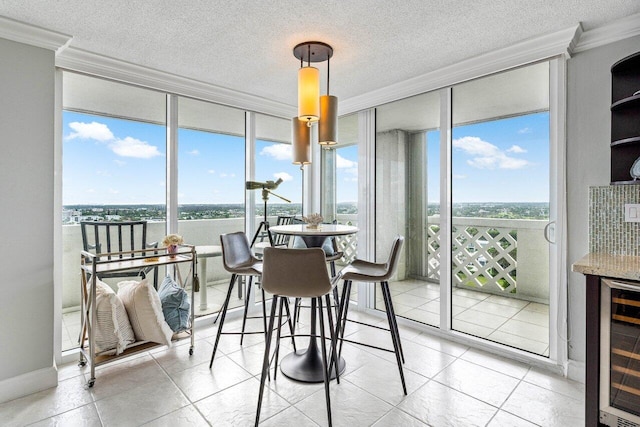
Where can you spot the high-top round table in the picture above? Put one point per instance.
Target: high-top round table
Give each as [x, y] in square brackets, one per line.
[306, 365]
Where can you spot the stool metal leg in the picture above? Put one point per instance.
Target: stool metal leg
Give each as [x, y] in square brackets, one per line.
[394, 333]
[265, 360]
[325, 365]
[291, 324]
[223, 310]
[264, 312]
[275, 371]
[393, 317]
[345, 309]
[334, 347]
[246, 308]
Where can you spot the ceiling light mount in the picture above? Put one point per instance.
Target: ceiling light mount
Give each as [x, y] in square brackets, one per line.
[313, 52]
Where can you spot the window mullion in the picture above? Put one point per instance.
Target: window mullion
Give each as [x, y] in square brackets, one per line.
[445, 208]
[172, 164]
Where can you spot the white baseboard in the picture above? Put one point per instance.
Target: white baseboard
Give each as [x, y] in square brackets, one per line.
[28, 383]
[576, 371]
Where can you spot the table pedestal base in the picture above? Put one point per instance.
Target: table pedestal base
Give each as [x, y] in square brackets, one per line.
[306, 366]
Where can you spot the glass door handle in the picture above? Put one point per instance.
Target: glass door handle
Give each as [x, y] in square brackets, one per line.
[550, 230]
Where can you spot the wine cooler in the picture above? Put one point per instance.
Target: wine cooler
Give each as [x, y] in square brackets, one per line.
[620, 354]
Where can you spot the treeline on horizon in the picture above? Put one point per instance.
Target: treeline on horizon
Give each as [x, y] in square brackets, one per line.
[504, 210]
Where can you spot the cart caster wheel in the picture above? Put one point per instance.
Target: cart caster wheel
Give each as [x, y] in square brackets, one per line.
[91, 383]
[190, 352]
[82, 364]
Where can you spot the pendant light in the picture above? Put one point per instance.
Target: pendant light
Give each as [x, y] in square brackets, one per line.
[301, 141]
[310, 103]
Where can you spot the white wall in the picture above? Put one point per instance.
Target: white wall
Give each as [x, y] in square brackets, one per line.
[588, 161]
[26, 221]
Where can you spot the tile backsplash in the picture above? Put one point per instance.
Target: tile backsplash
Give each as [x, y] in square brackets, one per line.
[608, 232]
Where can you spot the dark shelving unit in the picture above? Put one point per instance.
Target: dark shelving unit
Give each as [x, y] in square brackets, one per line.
[625, 118]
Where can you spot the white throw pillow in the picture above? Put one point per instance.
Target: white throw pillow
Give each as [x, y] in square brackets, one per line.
[145, 311]
[112, 329]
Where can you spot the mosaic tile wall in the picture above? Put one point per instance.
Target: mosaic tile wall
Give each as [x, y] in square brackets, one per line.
[608, 233]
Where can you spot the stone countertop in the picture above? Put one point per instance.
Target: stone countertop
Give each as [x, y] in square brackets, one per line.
[607, 265]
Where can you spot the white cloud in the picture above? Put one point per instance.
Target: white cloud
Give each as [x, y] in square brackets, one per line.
[132, 147]
[91, 190]
[525, 130]
[277, 151]
[112, 191]
[223, 175]
[285, 176]
[341, 162]
[487, 155]
[349, 167]
[211, 171]
[194, 152]
[516, 149]
[93, 130]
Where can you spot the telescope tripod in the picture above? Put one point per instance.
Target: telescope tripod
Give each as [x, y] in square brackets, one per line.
[264, 223]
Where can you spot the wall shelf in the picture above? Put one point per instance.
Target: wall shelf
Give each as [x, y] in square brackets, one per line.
[625, 118]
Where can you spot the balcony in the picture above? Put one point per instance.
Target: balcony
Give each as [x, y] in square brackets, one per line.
[500, 274]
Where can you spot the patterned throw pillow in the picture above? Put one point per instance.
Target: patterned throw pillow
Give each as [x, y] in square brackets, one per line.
[175, 304]
[112, 329]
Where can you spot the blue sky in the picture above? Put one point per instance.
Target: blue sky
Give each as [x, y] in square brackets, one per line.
[114, 161]
[503, 160]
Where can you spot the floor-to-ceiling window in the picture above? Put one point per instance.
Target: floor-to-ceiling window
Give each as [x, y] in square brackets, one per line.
[273, 161]
[408, 201]
[113, 162]
[211, 182]
[340, 187]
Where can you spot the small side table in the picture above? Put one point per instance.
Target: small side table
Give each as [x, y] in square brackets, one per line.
[204, 252]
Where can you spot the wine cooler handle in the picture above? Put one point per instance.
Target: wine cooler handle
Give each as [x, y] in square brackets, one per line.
[622, 285]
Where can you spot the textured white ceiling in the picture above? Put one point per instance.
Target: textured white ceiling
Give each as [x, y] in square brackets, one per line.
[246, 45]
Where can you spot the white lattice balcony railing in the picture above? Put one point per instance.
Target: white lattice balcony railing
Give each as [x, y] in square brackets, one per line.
[347, 244]
[507, 257]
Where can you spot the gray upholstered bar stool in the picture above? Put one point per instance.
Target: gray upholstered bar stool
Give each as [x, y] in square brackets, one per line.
[365, 271]
[238, 260]
[298, 273]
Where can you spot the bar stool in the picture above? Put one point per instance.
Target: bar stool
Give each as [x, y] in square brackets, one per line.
[297, 273]
[238, 260]
[365, 271]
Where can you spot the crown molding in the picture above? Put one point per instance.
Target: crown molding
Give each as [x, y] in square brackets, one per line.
[613, 32]
[20, 32]
[86, 62]
[524, 52]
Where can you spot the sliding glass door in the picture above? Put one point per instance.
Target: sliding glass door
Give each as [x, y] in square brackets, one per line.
[501, 208]
[491, 277]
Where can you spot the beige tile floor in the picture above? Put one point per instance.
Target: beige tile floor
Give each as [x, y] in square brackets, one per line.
[517, 323]
[449, 384]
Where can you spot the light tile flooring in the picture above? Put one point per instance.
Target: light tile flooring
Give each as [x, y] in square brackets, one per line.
[517, 323]
[509, 321]
[449, 384]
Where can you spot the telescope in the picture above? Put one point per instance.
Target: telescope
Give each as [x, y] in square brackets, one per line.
[269, 185]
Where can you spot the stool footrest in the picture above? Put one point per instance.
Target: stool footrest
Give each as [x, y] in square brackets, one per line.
[366, 345]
